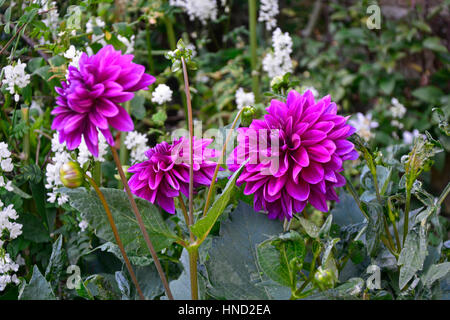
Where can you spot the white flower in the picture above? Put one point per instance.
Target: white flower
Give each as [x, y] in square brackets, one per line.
[129, 44]
[363, 124]
[84, 154]
[279, 62]
[15, 77]
[397, 124]
[244, 99]
[162, 94]
[137, 143]
[397, 109]
[202, 10]
[191, 47]
[7, 269]
[408, 137]
[4, 152]
[7, 165]
[83, 225]
[267, 12]
[94, 22]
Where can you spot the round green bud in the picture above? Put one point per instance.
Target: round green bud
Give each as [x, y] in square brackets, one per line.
[248, 114]
[71, 174]
[324, 278]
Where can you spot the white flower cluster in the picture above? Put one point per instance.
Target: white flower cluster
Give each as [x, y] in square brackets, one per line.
[84, 155]
[363, 124]
[202, 10]
[162, 94]
[397, 109]
[6, 166]
[268, 10]
[7, 269]
[7, 217]
[60, 156]
[279, 62]
[15, 78]
[129, 43]
[244, 98]
[74, 55]
[137, 143]
[100, 38]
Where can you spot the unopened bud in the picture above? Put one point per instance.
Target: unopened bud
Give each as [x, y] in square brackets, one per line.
[248, 114]
[71, 175]
[324, 278]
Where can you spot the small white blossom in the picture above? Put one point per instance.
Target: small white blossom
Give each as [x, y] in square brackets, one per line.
[83, 225]
[268, 10]
[129, 44]
[7, 165]
[202, 10]
[244, 98]
[15, 77]
[162, 94]
[363, 124]
[397, 109]
[408, 137]
[279, 62]
[137, 143]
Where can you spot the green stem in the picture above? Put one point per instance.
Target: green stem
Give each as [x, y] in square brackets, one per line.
[116, 235]
[407, 208]
[193, 256]
[253, 47]
[191, 145]
[140, 222]
[151, 65]
[170, 33]
[26, 136]
[97, 172]
[219, 162]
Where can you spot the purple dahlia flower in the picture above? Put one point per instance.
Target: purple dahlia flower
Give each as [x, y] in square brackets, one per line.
[89, 100]
[312, 144]
[166, 172]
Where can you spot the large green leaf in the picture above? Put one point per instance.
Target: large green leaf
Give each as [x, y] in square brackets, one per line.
[57, 259]
[413, 254]
[275, 257]
[429, 94]
[88, 203]
[204, 225]
[232, 267]
[37, 289]
[436, 272]
[181, 288]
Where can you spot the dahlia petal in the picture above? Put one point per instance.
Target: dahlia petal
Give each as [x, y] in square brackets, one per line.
[166, 203]
[318, 201]
[298, 191]
[318, 153]
[313, 173]
[122, 121]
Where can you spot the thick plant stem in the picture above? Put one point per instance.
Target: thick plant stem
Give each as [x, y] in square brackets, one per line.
[216, 171]
[141, 224]
[185, 214]
[193, 256]
[191, 144]
[97, 173]
[116, 235]
[253, 47]
[170, 33]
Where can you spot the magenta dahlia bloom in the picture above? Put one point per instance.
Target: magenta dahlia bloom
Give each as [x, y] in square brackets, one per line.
[312, 145]
[166, 172]
[89, 100]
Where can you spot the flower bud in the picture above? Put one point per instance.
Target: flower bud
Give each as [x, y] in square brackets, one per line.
[324, 278]
[248, 114]
[71, 175]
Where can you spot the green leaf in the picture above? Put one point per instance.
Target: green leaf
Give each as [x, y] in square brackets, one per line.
[357, 251]
[137, 107]
[33, 228]
[435, 272]
[276, 257]
[232, 267]
[387, 85]
[413, 255]
[37, 289]
[429, 94]
[204, 225]
[90, 206]
[181, 288]
[434, 43]
[310, 228]
[57, 260]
